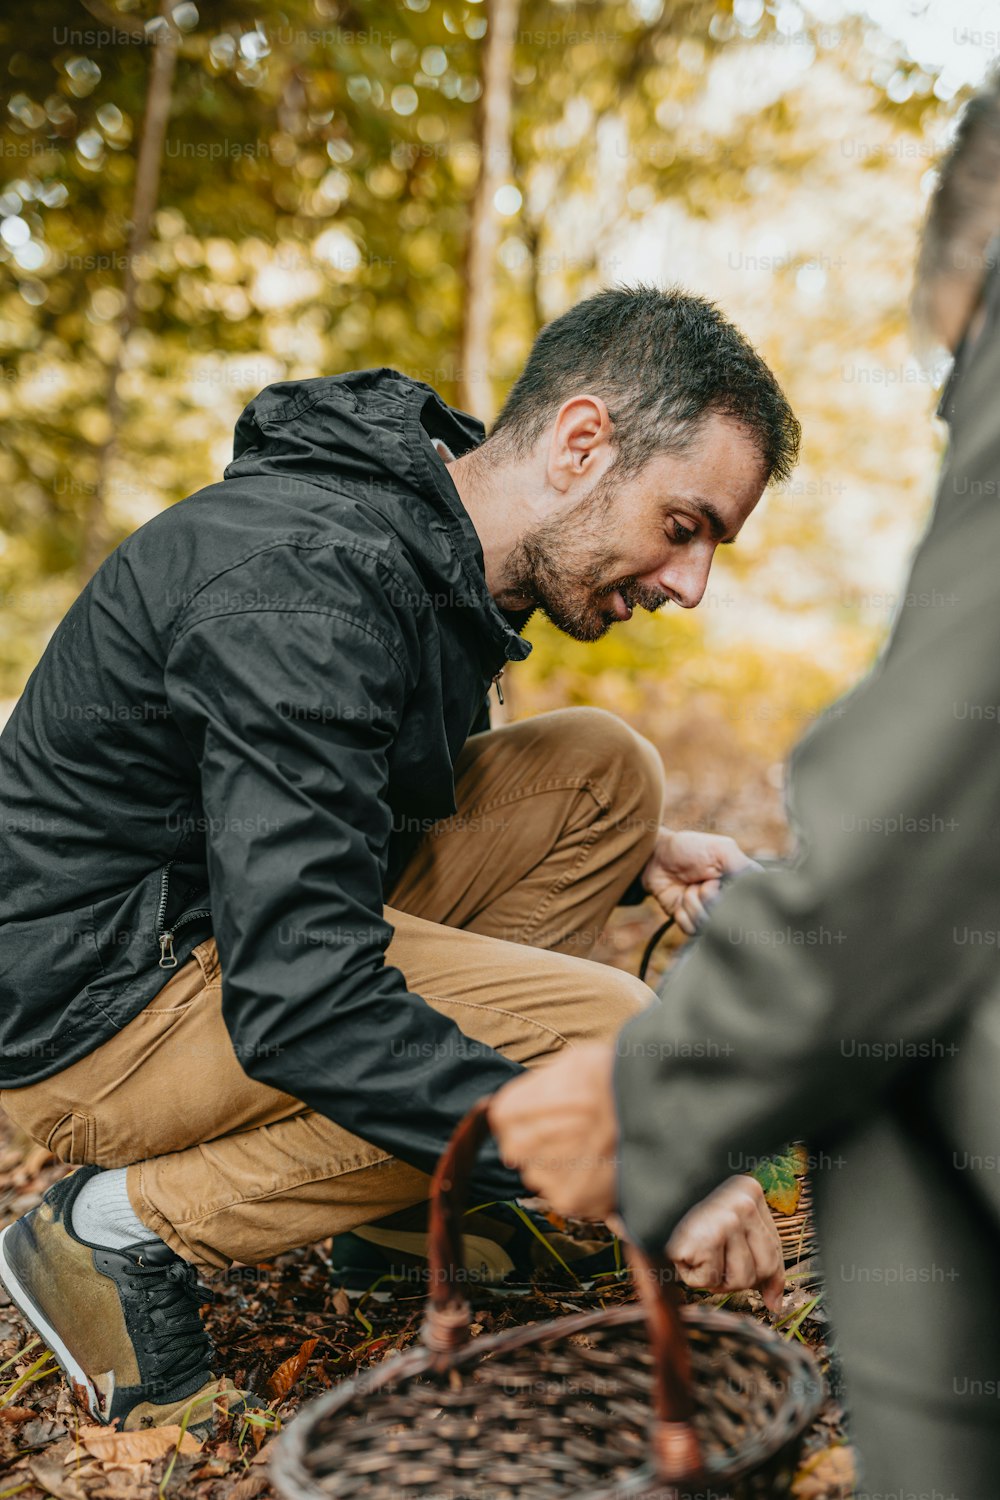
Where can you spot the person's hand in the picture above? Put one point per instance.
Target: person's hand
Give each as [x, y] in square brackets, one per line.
[556, 1125]
[685, 872]
[729, 1242]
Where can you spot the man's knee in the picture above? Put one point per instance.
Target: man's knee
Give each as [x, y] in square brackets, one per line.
[634, 771]
[604, 1005]
[625, 998]
[621, 759]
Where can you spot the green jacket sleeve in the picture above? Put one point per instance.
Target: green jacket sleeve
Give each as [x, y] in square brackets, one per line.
[812, 987]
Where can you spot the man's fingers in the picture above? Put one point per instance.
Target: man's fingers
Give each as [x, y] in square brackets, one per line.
[740, 1270]
[687, 924]
[556, 1126]
[769, 1257]
[692, 909]
[764, 1247]
[729, 1242]
[773, 1290]
[698, 1245]
[704, 1272]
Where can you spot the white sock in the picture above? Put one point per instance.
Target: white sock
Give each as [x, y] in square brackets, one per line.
[103, 1215]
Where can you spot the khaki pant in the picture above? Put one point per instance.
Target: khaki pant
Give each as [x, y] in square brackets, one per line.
[493, 920]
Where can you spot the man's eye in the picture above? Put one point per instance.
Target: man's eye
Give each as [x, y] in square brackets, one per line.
[680, 533]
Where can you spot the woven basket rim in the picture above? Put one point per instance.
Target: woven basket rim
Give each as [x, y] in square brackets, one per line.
[794, 1364]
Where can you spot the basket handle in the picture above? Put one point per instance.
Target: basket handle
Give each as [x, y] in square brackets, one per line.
[447, 1315]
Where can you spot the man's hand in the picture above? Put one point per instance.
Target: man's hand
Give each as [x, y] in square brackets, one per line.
[729, 1241]
[685, 872]
[557, 1126]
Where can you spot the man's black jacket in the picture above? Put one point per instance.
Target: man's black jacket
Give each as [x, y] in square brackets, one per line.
[242, 727]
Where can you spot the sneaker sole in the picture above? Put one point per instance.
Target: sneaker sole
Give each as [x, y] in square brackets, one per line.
[79, 1381]
[356, 1290]
[494, 1289]
[491, 1258]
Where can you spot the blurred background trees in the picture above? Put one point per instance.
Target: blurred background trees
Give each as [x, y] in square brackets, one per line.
[199, 199]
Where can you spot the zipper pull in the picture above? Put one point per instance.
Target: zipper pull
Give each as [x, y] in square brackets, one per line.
[167, 959]
[496, 684]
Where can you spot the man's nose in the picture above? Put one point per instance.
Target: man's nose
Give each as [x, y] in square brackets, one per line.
[685, 578]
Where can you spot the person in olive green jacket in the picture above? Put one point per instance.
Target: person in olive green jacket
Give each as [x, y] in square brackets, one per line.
[852, 997]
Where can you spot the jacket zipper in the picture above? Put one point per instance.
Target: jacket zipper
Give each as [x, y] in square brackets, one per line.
[496, 684]
[168, 959]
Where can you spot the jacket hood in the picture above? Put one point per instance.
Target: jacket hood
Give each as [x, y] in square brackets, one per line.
[369, 434]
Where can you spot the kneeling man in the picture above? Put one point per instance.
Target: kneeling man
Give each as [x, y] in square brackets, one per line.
[297, 906]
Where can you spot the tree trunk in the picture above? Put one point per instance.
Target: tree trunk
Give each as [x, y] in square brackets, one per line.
[475, 386]
[147, 186]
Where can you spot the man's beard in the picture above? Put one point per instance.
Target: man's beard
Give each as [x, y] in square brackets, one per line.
[565, 567]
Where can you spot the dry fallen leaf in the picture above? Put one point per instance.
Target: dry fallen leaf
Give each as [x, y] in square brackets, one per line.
[40, 1432]
[288, 1373]
[49, 1475]
[15, 1414]
[140, 1447]
[249, 1488]
[341, 1303]
[827, 1476]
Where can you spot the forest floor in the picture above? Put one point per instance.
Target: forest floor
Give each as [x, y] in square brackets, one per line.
[283, 1331]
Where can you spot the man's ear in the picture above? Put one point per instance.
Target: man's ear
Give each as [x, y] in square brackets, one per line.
[582, 427]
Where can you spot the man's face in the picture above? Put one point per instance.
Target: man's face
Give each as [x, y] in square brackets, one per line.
[638, 543]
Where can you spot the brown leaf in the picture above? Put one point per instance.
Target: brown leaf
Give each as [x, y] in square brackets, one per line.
[341, 1303]
[212, 1468]
[135, 1483]
[140, 1447]
[123, 1488]
[288, 1373]
[50, 1476]
[829, 1475]
[248, 1488]
[15, 1414]
[81, 1467]
[40, 1432]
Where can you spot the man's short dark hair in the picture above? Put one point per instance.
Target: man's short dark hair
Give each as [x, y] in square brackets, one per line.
[662, 361]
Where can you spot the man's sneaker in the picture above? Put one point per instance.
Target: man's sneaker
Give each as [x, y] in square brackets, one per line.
[506, 1246]
[123, 1324]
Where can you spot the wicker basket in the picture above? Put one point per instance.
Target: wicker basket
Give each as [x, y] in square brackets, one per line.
[645, 1399]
